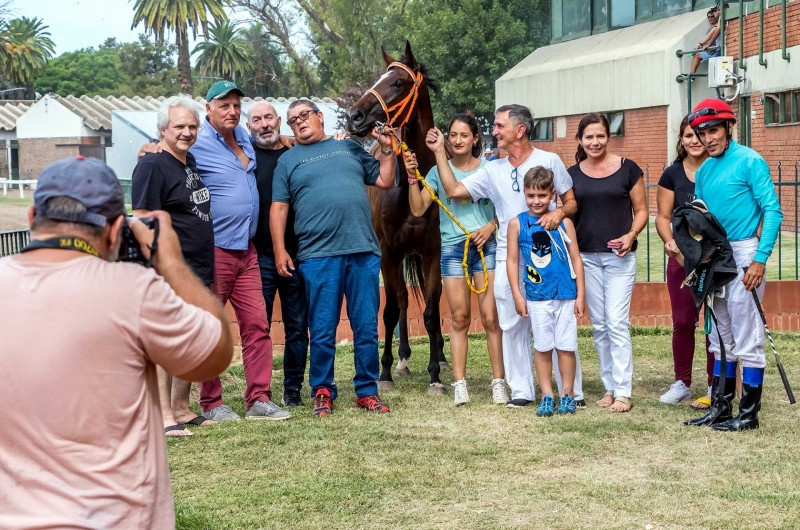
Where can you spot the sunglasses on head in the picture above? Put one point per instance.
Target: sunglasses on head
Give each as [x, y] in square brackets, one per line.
[708, 111]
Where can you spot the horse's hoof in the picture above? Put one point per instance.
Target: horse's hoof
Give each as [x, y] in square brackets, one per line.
[437, 389]
[444, 365]
[385, 386]
[402, 368]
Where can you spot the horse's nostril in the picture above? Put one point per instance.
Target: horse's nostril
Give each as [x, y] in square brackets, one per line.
[356, 117]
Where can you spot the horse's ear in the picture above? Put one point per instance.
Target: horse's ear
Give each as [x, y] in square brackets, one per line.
[388, 59]
[410, 61]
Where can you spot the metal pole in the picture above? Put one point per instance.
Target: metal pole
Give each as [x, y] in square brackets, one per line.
[647, 226]
[742, 65]
[795, 223]
[786, 55]
[722, 27]
[761, 60]
[780, 190]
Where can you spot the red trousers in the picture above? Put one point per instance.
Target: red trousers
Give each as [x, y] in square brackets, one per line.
[684, 323]
[237, 278]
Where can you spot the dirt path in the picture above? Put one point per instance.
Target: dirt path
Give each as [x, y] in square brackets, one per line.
[14, 212]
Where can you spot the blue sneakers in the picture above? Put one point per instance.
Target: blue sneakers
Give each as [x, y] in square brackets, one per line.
[566, 405]
[546, 406]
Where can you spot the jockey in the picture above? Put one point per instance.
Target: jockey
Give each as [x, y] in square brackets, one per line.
[736, 185]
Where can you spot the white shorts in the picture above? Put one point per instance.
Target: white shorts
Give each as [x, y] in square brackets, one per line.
[554, 325]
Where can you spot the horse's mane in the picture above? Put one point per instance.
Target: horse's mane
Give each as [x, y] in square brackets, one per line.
[432, 84]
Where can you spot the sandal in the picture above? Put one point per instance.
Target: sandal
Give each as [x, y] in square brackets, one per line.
[626, 402]
[178, 430]
[606, 401]
[702, 403]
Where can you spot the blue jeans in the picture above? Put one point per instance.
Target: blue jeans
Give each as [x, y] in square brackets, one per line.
[294, 309]
[453, 255]
[327, 281]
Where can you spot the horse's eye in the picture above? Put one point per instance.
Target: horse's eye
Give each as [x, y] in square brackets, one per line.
[398, 83]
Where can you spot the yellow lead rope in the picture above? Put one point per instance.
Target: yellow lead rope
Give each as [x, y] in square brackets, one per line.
[435, 198]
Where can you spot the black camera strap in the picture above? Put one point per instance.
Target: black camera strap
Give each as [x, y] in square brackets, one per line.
[63, 243]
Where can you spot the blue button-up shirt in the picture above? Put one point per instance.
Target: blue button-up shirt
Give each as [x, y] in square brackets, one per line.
[234, 195]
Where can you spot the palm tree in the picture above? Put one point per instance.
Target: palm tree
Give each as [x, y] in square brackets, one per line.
[226, 52]
[27, 47]
[161, 16]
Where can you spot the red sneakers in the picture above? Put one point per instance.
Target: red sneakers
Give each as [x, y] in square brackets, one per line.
[323, 404]
[373, 404]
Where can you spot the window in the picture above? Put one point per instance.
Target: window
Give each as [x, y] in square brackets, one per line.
[543, 130]
[782, 108]
[575, 17]
[644, 8]
[745, 127]
[616, 122]
[556, 22]
[623, 12]
[671, 6]
[599, 14]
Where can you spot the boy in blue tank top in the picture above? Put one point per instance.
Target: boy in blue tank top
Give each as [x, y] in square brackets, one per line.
[554, 288]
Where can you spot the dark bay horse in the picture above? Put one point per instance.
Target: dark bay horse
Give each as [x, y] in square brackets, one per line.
[400, 98]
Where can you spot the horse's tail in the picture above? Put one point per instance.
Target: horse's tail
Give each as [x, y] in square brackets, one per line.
[415, 277]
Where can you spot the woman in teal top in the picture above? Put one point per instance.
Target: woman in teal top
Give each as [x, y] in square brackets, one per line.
[479, 218]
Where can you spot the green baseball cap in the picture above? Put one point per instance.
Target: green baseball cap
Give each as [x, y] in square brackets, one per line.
[222, 88]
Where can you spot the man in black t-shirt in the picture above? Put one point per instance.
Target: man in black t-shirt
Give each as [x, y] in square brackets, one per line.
[169, 181]
[264, 125]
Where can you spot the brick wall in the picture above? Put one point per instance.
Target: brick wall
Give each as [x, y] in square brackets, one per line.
[643, 141]
[35, 154]
[772, 31]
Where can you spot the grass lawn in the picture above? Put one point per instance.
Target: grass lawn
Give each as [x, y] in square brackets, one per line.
[431, 465]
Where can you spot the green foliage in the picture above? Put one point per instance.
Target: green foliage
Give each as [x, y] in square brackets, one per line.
[150, 67]
[226, 52]
[25, 48]
[87, 71]
[270, 75]
[142, 68]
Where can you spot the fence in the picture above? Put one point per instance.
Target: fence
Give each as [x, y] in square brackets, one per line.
[651, 262]
[13, 242]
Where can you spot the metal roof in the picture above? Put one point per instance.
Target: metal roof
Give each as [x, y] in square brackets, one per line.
[96, 111]
[10, 110]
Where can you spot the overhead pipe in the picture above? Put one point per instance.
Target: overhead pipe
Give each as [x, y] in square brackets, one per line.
[742, 65]
[786, 55]
[761, 60]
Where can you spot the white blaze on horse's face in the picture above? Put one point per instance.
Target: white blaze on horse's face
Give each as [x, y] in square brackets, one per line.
[381, 78]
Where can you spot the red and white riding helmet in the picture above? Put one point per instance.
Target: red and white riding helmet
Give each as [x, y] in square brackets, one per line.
[710, 112]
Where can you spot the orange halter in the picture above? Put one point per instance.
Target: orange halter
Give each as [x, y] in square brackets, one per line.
[405, 106]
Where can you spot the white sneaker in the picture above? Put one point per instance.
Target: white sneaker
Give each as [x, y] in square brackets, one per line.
[677, 392]
[461, 394]
[499, 392]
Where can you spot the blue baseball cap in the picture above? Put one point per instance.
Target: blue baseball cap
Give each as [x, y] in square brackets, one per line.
[87, 180]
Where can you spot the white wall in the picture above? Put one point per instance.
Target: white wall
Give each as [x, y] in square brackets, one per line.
[128, 136]
[48, 118]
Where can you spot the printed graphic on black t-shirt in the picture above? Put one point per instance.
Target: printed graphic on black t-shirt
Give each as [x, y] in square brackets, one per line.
[162, 182]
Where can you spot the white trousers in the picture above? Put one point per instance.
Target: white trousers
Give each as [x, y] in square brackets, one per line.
[609, 288]
[739, 322]
[517, 347]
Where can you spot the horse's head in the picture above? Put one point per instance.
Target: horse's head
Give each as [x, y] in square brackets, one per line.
[392, 99]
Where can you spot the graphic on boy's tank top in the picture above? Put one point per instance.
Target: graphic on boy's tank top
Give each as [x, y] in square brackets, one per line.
[546, 277]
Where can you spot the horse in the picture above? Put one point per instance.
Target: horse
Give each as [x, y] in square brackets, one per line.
[415, 241]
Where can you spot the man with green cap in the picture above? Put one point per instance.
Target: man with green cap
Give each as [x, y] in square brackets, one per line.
[226, 163]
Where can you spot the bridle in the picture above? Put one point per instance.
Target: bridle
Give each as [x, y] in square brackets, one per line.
[405, 106]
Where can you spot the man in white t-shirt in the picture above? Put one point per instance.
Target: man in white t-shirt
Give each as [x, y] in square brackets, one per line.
[501, 182]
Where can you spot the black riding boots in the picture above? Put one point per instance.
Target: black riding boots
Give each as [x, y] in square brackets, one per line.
[750, 404]
[721, 409]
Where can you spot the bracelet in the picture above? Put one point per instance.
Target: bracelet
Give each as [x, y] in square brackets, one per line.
[387, 152]
[635, 233]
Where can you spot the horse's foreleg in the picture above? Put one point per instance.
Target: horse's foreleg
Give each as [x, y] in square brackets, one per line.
[432, 320]
[391, 315]
[404, 352]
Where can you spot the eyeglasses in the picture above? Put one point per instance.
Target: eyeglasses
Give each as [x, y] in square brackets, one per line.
[708, 111]
[303, 116]
[515, 184]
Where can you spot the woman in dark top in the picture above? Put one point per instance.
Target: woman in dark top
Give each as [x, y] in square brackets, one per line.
[675, 188]
[612, 210]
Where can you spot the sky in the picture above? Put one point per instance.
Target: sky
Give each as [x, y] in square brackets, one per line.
[76, 24]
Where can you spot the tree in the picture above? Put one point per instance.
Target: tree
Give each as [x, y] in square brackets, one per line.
[150, 67]
[88, 71]
[161, 16]
[269, 76]
[27, 47]
[226, 52]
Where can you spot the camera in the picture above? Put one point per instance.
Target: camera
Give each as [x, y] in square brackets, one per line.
[130, 250]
